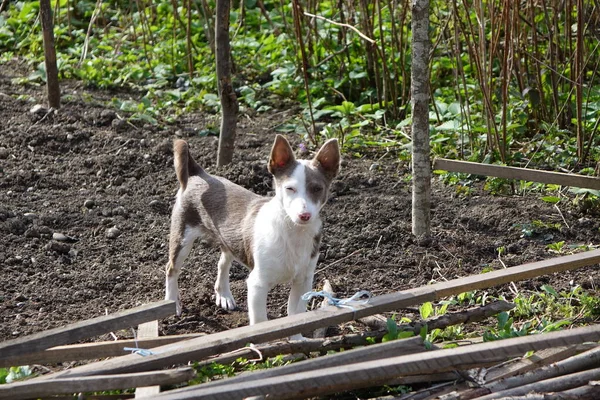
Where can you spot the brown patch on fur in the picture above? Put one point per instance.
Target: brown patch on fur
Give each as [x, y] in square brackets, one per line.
[225, 213]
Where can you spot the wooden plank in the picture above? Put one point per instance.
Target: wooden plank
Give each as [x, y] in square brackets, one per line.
[34, 389]
[501, 171]
[222, 342]
[373, 352]
[85, 329]
[538, 359]
[91, 351]
[364, 374]
[147, 330]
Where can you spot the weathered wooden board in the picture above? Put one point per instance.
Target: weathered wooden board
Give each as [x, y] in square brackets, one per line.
[199, 348]
[533, 175]
[34, 388]
[147, 330]
[374, 352]
[86, 329]
[91, 351]
[363, 374]
[539, 359]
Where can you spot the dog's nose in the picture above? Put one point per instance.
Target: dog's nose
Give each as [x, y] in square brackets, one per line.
[304, 216]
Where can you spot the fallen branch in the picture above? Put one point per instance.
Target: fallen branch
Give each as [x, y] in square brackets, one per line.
[461, 317]
[309, 346]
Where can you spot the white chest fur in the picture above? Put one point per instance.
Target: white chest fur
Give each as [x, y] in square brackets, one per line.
[282, 249]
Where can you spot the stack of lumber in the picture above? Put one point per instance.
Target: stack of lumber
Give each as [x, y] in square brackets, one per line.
[480, 370]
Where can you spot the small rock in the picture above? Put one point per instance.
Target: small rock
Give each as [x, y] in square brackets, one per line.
[38, 109]
[89, 203]
[58, 247]
[107, 117]
[113, 233]
[32, 233]
[120, 210]
[3, 153]
[61, 237]
[119, 125]
[374, 167]
[44, 230]
[30, 215]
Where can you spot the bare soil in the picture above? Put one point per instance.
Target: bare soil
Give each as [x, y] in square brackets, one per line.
[83, 172]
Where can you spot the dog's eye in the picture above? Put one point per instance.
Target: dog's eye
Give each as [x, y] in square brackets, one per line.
[290, 189]
[317, 189]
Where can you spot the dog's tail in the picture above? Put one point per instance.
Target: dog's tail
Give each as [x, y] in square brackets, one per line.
[185, 166]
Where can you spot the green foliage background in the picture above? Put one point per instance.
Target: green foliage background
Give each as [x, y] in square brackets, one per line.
[504, 75]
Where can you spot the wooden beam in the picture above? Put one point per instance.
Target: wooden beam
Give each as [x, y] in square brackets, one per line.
[373, 352]
[91, 351]
[222, 342]
[34, 389]
[85, 329]
[363, 374]
[525, 174]
[538, 359]
[147, 330]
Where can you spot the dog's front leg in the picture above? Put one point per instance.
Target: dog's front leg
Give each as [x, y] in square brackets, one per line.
[300, 286]
[259, 287]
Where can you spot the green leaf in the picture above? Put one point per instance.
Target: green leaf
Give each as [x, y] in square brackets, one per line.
[502, 320]
[551, 199]
[18, 373]
[426, 310]
[550, 290]
[392, 327]
[451, 125]
[3, 375]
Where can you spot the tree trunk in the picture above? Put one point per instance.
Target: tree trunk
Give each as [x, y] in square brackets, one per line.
[229, 103]
[421, 167]
[50, 54]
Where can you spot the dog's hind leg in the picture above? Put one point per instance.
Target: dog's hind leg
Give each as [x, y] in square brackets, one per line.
[224, 298]
[180, 244]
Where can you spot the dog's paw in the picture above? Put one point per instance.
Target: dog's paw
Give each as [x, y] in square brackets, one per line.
[225, 301]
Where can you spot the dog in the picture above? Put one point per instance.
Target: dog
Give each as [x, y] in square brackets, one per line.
[277, 238]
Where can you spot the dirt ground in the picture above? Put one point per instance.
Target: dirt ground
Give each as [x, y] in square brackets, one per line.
[105, 188]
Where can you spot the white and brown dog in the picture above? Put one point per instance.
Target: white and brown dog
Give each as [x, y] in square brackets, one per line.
[277, 238]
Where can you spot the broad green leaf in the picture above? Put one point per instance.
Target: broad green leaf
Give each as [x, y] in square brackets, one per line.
[426, 310]
[551, 199]
[550, 290]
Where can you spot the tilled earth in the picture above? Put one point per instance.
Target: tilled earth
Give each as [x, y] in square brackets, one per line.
[85, 202]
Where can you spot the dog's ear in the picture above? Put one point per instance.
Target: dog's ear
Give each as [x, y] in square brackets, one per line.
[282, 155]
[328, 158]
